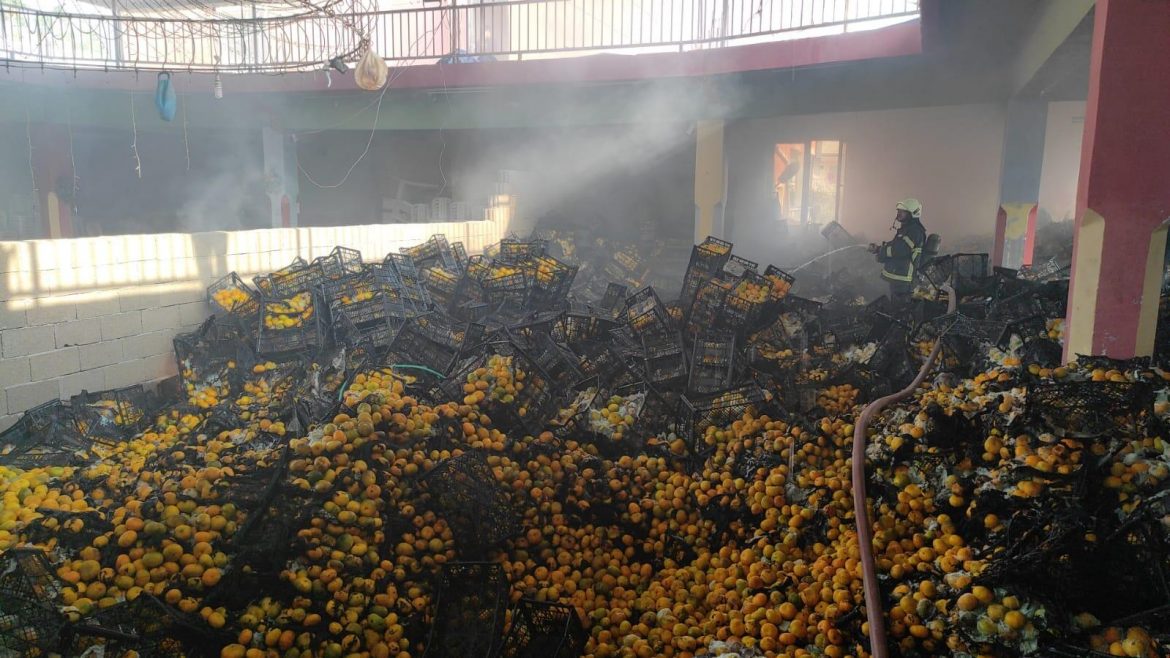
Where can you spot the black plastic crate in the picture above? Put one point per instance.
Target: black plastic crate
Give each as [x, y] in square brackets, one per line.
[707, 260]
[432, 341]
[470, 610]
[1089, 409]
[232, 297]
[112, 416]
[145, 627]
[517, 251]
[664, 360]
[413, 289]
[967, 273]
[712, 364]
[646, 314]
[576, 328]
[290, 324]
[478, 267]
[544, 630]
[529, 407]
[533, 326]
[379, 333]
[746, 302]
[551, 281]
[467, 291]
[46, 451]
[460, 253]
[28, 597]
[737, 266]
[698, 413]
[476, 506]
[615, 294]
[367, 300]
[51, 421]
[340, 262]
[435, 250]
[291, 279]
[506, 286]
[780, 281]
[440, 283]
[558, 362]
[600, 360]
[708, 306]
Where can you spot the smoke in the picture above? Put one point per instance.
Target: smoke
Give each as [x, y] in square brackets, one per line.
[230, 195]
[632, 163]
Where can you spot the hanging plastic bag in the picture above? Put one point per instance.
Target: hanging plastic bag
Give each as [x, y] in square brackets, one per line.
[164, 98]
[371, 72]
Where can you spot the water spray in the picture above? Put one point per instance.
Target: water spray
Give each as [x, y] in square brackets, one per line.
[823, 256]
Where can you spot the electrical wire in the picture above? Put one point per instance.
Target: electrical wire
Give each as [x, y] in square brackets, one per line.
[186, 144]
[134, 138]
[377, 114]
[72, 160]
[32, 174]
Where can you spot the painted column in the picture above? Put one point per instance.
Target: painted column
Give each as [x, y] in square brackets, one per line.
[280, 176]
[53, 178]
[710, 179]
[1123, 199]
[1019, 187]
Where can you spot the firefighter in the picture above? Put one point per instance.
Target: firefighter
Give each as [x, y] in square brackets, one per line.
[900, 257]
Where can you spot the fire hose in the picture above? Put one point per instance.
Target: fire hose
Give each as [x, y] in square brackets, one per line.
[873, 604]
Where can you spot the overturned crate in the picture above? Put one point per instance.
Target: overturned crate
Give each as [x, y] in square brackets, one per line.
[339, 263]
[433, 341]
[29, 589]
[470, 610]
[516, 389]
[143, 627]
[50, 422]
[698, 416]
[551, 281]
[707, 260]
[646, 314]
[664, 360]
[406, 274]
[712, 366]
[709, 306]
[291, 279]
[544, 630]
[475, 505]
[109, 417]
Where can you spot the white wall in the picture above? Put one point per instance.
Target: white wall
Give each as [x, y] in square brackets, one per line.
[101, 313]
[1062, 159]
[948, 157]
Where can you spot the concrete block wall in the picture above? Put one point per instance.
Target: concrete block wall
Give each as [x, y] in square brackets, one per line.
[100, 313]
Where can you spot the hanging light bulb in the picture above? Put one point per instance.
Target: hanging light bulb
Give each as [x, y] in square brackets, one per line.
[217, 87]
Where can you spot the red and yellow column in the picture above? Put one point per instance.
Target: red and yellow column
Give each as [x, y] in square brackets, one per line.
[710, 179]
[53, 178]
[1123, 199]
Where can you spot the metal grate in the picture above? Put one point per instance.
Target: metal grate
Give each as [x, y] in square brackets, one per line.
[302, 36]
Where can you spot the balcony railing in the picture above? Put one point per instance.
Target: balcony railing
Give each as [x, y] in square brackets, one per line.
[507, 30]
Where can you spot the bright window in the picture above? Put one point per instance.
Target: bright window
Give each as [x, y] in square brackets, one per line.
[807, 181]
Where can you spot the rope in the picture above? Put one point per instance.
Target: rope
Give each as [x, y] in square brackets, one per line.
[878, 644]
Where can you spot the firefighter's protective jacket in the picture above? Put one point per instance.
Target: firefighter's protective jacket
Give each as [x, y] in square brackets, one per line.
[900, 255]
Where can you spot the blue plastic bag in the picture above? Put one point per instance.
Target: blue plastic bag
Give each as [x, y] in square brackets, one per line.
[164, 98]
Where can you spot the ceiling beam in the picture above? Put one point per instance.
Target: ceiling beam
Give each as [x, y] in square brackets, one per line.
[1053, 22]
